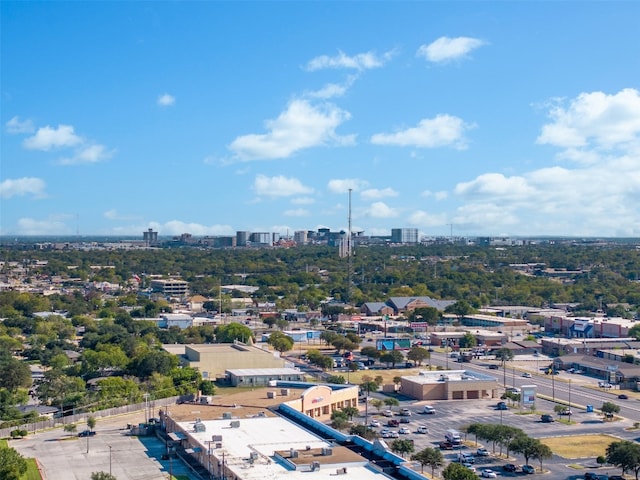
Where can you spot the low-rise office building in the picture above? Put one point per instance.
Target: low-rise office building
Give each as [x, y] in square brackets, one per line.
[449, 385]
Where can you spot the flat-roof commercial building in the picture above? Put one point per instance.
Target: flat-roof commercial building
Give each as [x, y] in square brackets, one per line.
[449, 385]
[262, 377]
[214, 359]
[174, 288]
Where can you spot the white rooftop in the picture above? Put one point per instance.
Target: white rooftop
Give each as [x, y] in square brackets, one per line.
[264, 436]
[243, 372]
[425, 376]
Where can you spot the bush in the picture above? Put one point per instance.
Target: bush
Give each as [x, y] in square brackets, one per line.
[18, 433]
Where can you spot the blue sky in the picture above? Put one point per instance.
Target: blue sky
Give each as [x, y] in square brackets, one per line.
[471, 118]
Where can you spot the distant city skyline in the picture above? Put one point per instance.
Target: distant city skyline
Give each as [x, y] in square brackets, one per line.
[463, 119]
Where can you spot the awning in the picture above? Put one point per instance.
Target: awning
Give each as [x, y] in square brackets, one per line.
[176, 436]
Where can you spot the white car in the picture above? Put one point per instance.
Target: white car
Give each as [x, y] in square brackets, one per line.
[404, 431]
[526, 375]
[429, 410]
[393, 434]
[488, 473]
[374, 423]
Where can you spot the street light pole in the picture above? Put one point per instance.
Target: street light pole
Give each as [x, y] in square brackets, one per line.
[109, 459]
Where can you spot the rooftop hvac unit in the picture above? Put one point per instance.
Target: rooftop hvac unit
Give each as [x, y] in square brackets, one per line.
[327, 452]
[253, 455]
[219, 445]
[227, 416]
[271, 394]
[235, 424]
[285, 392]
[341, 471]
[315, 466]
[199, 427]
[293, 453]
[216, 438]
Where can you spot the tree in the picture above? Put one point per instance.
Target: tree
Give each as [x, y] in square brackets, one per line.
[392, 357]
[377, 404]
[231, 332]
[102, 476]
[91, 423]
[457, 471]
[625, 455]
[609, 409]
[541, 452]
[429, 456]
[70, 427]
[280, 341]
[370, 352]
[363, 431]
[12, 464]
[525, 445]
[269, 321]
[402, 446]
[336, 379]
[460, 309]
[468, 341]
[350, 412]
[391, 402]
[418, 354]
[13, 373]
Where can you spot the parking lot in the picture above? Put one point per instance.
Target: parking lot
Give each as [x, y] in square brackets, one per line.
[458, 414]
[65, 456]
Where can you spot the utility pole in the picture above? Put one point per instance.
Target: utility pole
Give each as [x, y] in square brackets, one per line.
[146, 407]
[109, 459]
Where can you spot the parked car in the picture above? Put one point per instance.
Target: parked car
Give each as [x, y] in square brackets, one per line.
[590, 476]
[494, 366]
[394, 434]
[404, 431]
[623, 396]
[422, 429]
[482, 452]
[428, 409]
[604, 385]
[502, 406]
[393, 423]
[445, 445]
[405, 412]
[387, 413]
[509, 467]
[526, 375]
[405, 420]
[374, 423]
[566, 411]
[546, 418]
[466, 458]
[528, 469]
[87, 433]
[488, 473]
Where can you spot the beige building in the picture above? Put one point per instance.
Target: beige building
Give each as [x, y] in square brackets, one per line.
[449, 385]
[320, 401]
[214, 359]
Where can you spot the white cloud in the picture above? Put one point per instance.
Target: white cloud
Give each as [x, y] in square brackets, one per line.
[87, 154]
[50, 226]
[423, 219]
[297, 212]
[445, 49]
[279, 186]
[47, 138]
[342, 185]
[360, 61]
[302, 125]
[498, 186]
[22, 186]
[15, 126]
[441, 131]
[303, 201]
[380, 210]
[441, 195]
[376, 193]
[594, 121]
[166, 100]
[113, 214]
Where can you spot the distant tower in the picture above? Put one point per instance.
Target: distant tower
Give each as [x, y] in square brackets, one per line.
[349, 253]
[150, 237]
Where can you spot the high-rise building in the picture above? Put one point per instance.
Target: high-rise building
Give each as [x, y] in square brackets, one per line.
[242, 238]
[150, 237]
[300, 237]
[404, 235]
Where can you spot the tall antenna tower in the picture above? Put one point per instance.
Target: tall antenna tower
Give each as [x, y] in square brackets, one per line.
[349, 252]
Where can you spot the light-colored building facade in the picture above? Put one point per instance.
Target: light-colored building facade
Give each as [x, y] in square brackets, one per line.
[171, 287]
[213, 360]
[404, 235]
[449, 385]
